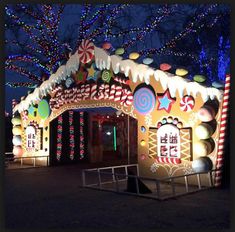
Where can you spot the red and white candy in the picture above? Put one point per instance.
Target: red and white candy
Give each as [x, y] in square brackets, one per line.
[168, 160]
[86, 51]
[187, 103]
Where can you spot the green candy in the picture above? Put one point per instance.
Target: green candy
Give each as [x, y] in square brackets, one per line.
[106, 76]
[199, 78]
[119, 51]
[43, 109]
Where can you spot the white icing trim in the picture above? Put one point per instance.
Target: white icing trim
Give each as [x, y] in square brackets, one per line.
[140, 72]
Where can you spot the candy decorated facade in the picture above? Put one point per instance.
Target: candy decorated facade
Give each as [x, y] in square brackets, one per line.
[179, 129]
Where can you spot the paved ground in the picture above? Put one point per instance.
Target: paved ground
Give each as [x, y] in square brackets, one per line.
[52, 197]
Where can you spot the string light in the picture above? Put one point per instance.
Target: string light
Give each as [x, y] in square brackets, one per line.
[85, 11]
[189, 29]
[223, 58]
[28, 58]
[107, 21]
[164, 12]
[81, 130]
[71, 135]
[85, 27]
[22, 84]
[23, 71]
[59, 137]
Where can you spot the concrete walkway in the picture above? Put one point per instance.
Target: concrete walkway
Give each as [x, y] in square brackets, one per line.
[52, 198]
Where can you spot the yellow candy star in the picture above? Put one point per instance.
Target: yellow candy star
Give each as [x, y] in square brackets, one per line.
[91, 71]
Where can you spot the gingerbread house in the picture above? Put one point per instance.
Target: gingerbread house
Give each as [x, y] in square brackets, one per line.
[181, 122]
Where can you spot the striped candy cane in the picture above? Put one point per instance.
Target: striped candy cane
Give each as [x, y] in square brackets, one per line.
[86, 94]
[129, 98]
[120, 80]
[168, 160]
[101, 92]
[118, 93]
[112, 92]
[124, 96]
[78, 95]
[106, 91]
[93, 91]
[223, 123]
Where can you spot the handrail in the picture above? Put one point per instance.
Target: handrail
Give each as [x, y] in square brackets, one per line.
[157, 181]
[8, 159]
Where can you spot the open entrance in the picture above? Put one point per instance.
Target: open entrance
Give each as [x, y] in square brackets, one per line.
[95, 135]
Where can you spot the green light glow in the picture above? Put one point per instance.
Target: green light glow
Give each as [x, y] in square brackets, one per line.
[114, 139]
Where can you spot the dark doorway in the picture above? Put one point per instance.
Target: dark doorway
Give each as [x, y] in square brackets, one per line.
[62, 127]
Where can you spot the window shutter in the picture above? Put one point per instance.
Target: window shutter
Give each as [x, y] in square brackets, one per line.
[186, 144]
[152, 142]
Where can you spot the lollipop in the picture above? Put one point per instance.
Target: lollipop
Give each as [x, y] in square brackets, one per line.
[144, 100]
[187, 103]
[86, 51]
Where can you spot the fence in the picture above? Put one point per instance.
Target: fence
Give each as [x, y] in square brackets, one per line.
[108, 179]
[35, 160]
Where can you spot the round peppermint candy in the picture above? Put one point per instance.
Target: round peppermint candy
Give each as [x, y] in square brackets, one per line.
[86, 51]
[144, 100]
[187, 103]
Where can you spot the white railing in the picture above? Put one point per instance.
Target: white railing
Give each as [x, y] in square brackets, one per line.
[108, 179]
[9, 161]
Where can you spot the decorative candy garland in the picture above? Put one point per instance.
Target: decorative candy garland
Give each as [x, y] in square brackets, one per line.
[81, 135]
[59, 137]
[71, 135]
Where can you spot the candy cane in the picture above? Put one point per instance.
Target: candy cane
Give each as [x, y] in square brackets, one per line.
[129, 98]
[168, 160]
[118, 93]
[101, 92]
[223, 123]
[112, 92]
[93, 91]
[87, 92]
[82, 89]
[120, 80]
[78, 95]
[124, 96]
[106, 91]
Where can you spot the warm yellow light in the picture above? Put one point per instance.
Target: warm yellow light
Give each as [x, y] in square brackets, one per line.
[142, 143]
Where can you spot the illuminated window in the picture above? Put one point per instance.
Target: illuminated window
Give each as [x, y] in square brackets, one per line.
[168, 140]
[30, 138]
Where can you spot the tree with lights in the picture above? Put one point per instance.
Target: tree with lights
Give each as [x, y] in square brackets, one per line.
[35, 48]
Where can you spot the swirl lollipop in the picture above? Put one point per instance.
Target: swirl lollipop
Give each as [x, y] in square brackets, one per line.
[187, 103]
[144, 100]
[106, 76]
[86, 51]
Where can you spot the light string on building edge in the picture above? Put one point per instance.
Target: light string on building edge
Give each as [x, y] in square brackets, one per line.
[71, 134]
[59, 137]
[81, 131]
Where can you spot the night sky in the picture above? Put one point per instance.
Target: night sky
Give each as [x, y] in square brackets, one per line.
[215, 26]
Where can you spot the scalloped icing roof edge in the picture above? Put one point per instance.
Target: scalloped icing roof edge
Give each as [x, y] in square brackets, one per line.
[140, 72]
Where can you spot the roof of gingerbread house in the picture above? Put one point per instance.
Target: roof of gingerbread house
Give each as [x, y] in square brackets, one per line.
[139, 72]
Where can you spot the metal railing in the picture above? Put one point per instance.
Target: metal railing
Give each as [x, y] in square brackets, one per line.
[9, 161]
[161, 189]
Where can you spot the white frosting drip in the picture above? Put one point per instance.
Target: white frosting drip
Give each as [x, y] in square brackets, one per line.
[138, 72]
